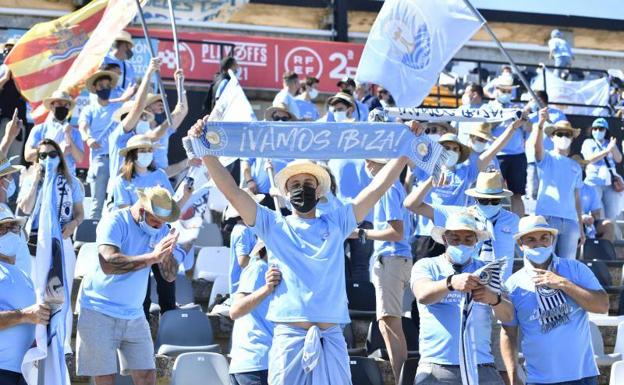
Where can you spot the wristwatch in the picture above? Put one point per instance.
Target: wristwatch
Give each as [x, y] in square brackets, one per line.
[362, 235]
[449, 285]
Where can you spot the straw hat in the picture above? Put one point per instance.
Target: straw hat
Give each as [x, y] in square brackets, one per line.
[505, 81]
[562, 125]
[464, 151]
[489, 186]
[6, 168]
[125, 109]
[6, 215]
[482, 130]
[446, 125]
[231, 212]
[125, 36]
[303, 167]
[56, 96]
[461, 221]
[380, 160]
[278, 107]
[153, 98]
[159, 202]
[11, 41]
[138, 141]
[91, 80]
[342, 97]
[531, 224]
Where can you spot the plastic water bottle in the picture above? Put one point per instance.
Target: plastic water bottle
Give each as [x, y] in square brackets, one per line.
[590, 232]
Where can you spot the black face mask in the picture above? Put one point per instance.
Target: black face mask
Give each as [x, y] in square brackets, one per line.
[129, 54]
[160, 118]
[60, 113]
[303, 198]
[104, 93]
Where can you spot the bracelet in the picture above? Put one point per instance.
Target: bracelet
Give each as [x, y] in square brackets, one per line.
[449, 285]
[249, 180]
[499, 298]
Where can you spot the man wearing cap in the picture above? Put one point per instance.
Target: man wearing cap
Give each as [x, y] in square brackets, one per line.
[57, 128]
[287, 94]
[360, 110]
[19, 313]
[558, 196]
[120, 54]
[96, 124]
[560, 51]
[602, 155]
[512, 158]
[550, 298]
[10, 100]
[305, 99]
[111, 318]
[308, 345]
[252, 332]
[439, 283]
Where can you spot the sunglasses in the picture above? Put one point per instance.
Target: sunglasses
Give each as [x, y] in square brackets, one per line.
[563, 134]
[431, 130]
[281, 118]
[598, 129]
[15, 228]
[51, 154]
[486, 202]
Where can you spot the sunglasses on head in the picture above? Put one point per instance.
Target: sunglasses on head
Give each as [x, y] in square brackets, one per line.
[563, 134]
[51, 154]
[598, 129]
[486, 201]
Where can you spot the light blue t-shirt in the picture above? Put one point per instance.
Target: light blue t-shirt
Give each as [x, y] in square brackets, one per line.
[125, 192]
[504, 224]
[117, 140]
[307, 252]
[590, 199]
[390, 208]
[100, 121]
[260, 175]
[559, 47]
[242, 241]
[351, 178]
[597, 173]
[516, 143]
[361, 112]
[161, 153]
[564, 353]
[121, 295]
[52, 129]
[307, 109]
[16, 292]
[559, 177]
[284, 97]
[440, 322]
[327, 204]
[252, 334]
[128, 75]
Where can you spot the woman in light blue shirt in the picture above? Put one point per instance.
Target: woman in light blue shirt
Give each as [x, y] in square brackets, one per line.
[602, 155]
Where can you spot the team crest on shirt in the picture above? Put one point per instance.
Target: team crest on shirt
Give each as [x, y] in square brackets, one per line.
[214, 138]
[545, 291]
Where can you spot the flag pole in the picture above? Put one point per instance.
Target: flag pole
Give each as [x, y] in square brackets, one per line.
[161, 85]
[505, 53]
[176, 48]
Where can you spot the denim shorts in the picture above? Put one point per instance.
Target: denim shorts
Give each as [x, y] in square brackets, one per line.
[434, 374]
[514, 170]
[259, 377]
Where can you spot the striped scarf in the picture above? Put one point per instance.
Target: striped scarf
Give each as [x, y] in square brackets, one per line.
[489, 276]
[553, 307]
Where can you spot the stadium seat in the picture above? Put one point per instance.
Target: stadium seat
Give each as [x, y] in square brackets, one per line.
[87, 259]
[602, 359]
[361, 297]
[220, 286]
[619, 340]
[598, 249]
[200, 368]
[184, 290]
[408, 371]
[352, 348]
[85, 232]
[364, 371]
[617, 373]
[211, 262]
[185, 330]
[209, 236]
[118, 380]
[376, 347]
[601, 271]
[87, 205]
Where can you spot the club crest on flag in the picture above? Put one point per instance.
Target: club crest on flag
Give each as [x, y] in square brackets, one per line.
[409, 36]
[70, 39]
[484, 277]
[215, 138]
[422, 149]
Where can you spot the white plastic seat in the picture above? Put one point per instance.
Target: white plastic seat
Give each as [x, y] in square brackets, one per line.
[220, 286]
[602, 359]
[617, 373]
[211, 262]
[209, 236]
[87, 259]
[200, 368]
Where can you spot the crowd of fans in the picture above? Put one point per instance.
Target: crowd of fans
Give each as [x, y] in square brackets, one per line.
[507, 189]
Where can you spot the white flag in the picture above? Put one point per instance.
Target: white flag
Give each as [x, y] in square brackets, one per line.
[410, 43]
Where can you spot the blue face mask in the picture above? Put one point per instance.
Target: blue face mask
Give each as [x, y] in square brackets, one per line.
[51, 164]
[488, 211]
[538, 255]
[460, 254]
[147, 229]
[11, 188]
[504, 98]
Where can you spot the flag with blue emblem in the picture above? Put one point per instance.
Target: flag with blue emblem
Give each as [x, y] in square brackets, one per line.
[410, 43]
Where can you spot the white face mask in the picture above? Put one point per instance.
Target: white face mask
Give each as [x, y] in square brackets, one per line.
[9, 244]
[452, 159]
[477, 146]
[313, 93]
[561, 143]
[144, 159]
[434, 137]
[340, 116]
[142, 127]
[503, 98]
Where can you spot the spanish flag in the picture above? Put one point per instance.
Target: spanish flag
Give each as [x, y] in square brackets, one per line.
[62, 53]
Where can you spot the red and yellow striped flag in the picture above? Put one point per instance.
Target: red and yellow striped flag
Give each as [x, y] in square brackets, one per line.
[62, 53]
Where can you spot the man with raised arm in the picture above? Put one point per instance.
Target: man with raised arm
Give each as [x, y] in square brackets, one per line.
[310, 303]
